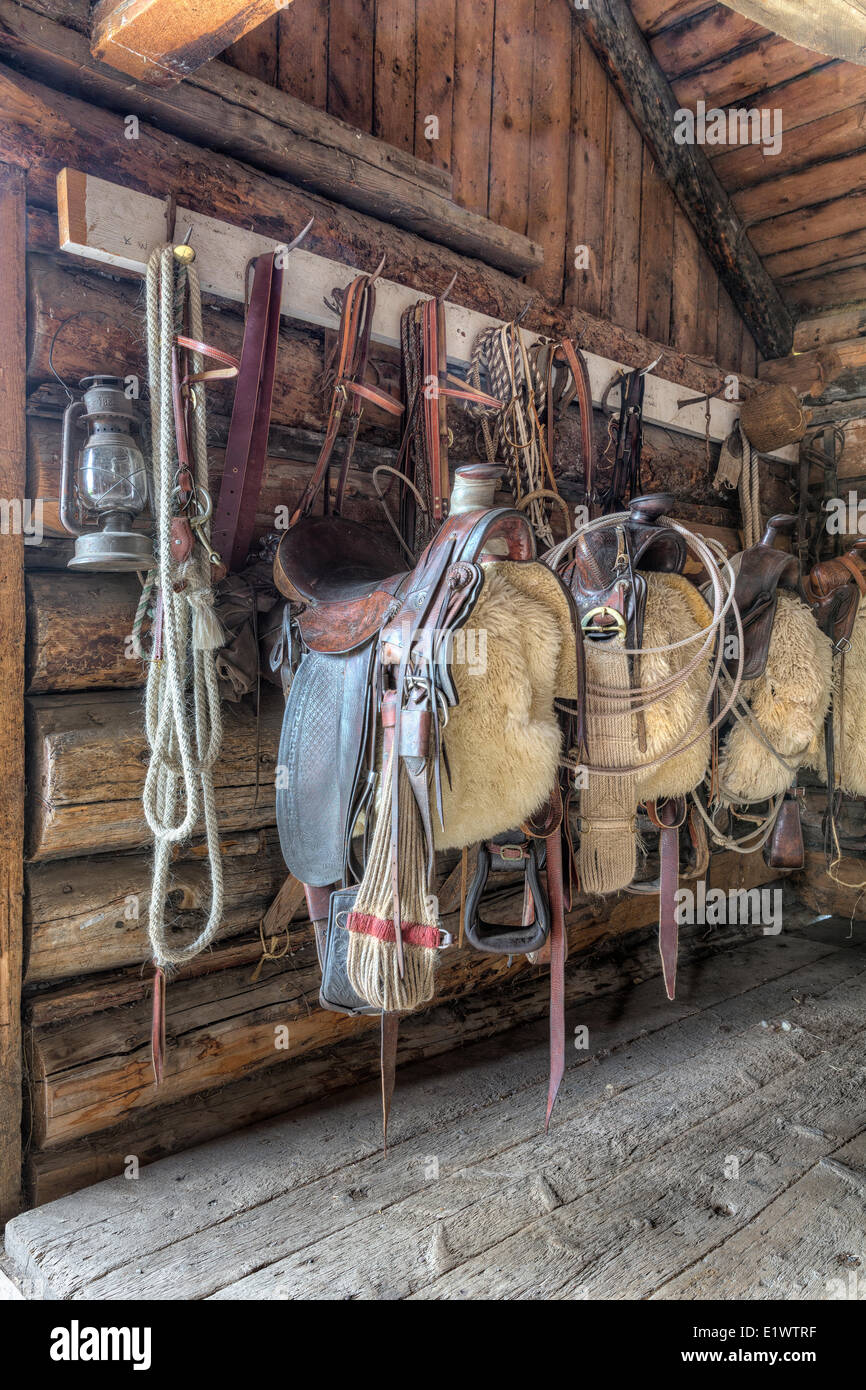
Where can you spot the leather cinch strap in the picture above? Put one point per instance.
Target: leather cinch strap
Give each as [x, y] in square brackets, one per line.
[247, 443]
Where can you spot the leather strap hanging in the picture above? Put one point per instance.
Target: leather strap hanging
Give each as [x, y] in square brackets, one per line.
[667, 817]
[580, 387]
[349, 363]
[558, 946]
[247, 443]
[427, 386]
[625, 481]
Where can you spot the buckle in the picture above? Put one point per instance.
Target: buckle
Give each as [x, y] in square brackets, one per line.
[514, 852]
[614, 626]
[446, 939]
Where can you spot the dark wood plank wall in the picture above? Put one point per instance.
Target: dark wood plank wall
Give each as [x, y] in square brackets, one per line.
[534, 136]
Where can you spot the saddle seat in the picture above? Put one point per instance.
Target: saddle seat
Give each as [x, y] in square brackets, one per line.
[348, 580]
[344, 574]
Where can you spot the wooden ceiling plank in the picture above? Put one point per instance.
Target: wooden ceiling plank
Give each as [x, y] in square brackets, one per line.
[833, 87]
[703, 38]
[654, 15]
[833, 218]
[833, 178]
[833, 327]
[162, 41]
[839, 290]
[829, 137]
[816, 256]
[611, 29]
[747, 73]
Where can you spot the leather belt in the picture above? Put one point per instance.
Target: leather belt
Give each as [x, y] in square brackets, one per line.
[247, 443]
[580, 387]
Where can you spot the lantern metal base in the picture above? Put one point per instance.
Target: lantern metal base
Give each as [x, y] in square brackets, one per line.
[112, 550]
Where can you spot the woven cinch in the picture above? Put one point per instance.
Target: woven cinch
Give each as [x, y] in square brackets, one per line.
[609, 843]
[503, 745]
[607, 857]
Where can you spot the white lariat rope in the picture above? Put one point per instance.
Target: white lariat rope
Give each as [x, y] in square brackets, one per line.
[182, 709]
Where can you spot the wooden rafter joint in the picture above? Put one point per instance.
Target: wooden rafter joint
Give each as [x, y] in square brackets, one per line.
[162, 41]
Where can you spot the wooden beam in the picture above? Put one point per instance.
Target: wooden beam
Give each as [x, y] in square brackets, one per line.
[162, 41]
[45, 130]
[116, 226]
[614, 34]
[13, 449]
[224, 110]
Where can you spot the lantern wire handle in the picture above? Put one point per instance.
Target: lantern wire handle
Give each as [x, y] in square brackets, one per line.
[58, 330]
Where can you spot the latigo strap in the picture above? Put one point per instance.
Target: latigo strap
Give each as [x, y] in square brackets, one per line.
[247, 443]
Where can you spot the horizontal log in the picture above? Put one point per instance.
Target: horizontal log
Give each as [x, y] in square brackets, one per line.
[819, 330]
[88, 756]
[835, 372]
[95, 1073]
[49, 131]
[225, 110]
[838, 896]
[77, 630]
[97, 323]
[87, 916]
[161, 42]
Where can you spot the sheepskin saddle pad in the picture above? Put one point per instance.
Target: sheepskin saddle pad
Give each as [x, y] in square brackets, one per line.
[786, 706]
[849, 715]
[666, 744]
[502, 740]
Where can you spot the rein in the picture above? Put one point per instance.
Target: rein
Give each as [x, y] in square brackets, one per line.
[515, 379]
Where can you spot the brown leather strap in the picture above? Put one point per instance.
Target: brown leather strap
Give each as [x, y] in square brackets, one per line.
[247, 442]
[577, 365]
[350, 362]
[855, 569]
[555, 893]
[388, 1068]
[157, 1028]
[667, 817]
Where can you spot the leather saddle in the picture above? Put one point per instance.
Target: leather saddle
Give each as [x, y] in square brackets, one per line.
[602, 571]
[760, 571]
[351, 607]
[833, 589]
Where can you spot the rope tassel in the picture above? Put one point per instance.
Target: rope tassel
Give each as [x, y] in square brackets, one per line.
[372, 963]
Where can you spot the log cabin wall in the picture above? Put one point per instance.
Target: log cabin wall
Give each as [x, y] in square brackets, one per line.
[91, 1104]
[535, 138]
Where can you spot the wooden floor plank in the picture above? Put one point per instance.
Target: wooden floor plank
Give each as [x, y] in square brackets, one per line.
[490, 1191]
[307, 1205]
[807, 1244]
[625, 1239]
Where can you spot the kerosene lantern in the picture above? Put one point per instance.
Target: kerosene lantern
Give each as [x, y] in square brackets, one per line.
[105, 487]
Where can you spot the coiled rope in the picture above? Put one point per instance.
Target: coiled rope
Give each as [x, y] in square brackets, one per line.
[182, 709]
[636, 699]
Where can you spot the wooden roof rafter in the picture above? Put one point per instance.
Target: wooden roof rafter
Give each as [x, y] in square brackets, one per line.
[163, 41]
[614, 34]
